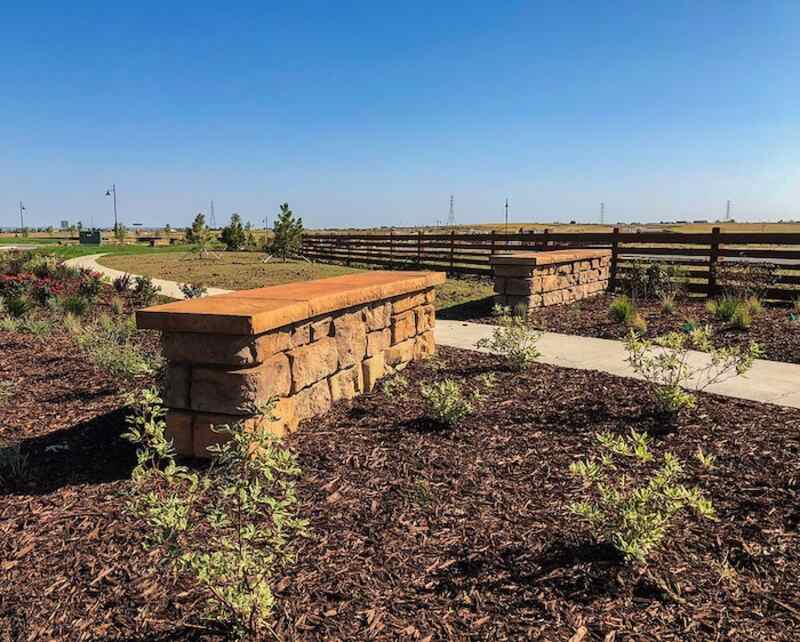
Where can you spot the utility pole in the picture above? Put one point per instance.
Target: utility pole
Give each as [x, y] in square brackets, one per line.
[113, 192]
[728, 211]
[212, 221]
[506, 216]
[21, 218]
[602, 213]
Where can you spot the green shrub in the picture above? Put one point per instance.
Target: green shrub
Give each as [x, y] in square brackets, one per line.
[90, 285]
[446, 402]
[18, 306]
[230, 527]
[117, 306]
[633, 509]
[664, 364]
[754, 306]
[742, 318]
[9, 324]
[669, 304]
[622, 309]
[110, 344]
[395, 387]
[42, 265]
[75, 305]
[515, 339]
[724, 308]
[193, 290]
[36, 326]
[122, 283]
[145, 291]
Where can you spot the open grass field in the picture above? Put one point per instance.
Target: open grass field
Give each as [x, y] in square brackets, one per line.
[246, 270]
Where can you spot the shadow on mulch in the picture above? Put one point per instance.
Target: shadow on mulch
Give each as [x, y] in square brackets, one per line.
[90, 452]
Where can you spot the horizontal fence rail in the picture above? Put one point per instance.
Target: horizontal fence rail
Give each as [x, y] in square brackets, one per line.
[699, 257]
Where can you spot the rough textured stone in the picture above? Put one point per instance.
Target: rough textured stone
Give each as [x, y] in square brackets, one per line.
[301, 335]
[238, 392]
[400, 353]
[222, 350]
[312, 401]
[426, 318]
[377, 316]
[378, 341]
[321, 329]
[313, 362]
[430, 296]
[176, 386]
[404, 326]
[424, 345]
[351, 338]
[346, 384]
[373, 369]
[407, 303]
[179, 430]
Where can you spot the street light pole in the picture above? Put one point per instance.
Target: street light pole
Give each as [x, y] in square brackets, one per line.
[113, 192]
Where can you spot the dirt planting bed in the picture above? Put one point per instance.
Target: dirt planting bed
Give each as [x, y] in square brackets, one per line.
[419, 532]
[773, 329]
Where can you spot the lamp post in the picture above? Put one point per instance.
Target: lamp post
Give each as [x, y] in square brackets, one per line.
[113, 192]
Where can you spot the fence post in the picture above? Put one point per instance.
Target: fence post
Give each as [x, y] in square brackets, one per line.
[493, 241]
[391, 249]
[546, 235]
[419, 248]
[349, 249]
[713, 258]
[612, 277]
[452, 249]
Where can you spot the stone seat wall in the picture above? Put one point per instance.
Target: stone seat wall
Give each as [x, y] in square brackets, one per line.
[537, 279]
[309, 344]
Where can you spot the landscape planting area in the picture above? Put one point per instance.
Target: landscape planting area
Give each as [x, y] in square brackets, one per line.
[418, 530]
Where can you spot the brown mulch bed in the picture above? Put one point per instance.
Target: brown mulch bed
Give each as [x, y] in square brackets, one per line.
[419, 532]
[774, 330]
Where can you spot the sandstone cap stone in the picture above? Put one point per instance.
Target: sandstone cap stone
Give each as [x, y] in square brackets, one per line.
[547, 257]
[251, 312]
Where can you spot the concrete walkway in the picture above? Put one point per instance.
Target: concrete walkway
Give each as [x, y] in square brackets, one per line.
[767, 381]
[168, 288]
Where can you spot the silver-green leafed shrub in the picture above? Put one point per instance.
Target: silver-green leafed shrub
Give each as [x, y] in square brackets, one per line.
[230, 527]
[110, 344]
[515, 339]
[665, 364]
[446, 402]
[634, 510]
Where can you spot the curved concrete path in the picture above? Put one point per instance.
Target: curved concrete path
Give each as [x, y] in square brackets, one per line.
[767, 381]
[168, 288]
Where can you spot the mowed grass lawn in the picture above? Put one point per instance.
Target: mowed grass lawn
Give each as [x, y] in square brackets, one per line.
[246, 270]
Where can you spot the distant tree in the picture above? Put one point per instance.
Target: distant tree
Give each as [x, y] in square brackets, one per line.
[50, 230]
[234, 235]
[79, 226]
[200, 236]
[167, 229]
[120, 232]
[288, 234]
[250, 241]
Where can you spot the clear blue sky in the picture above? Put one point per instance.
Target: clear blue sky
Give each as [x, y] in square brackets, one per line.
[370, 113]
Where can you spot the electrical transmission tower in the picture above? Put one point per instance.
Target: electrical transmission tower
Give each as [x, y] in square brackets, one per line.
[212, 221]
[451, 217]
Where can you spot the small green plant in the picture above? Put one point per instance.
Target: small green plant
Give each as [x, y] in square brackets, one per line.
[395, 387]
[633, 510]
[6, 388]
[706, 460]
[36, 326]
[724, 308]
[13, 464]
[122, 283]
[637, 324]
[145, 291]
[488, 380]
[754, 306]
[110, 344]
[230, 527]
[18, 306]
[796, 306]
[117, 306]
[515, 339]
[446, 401]
[742, 319]
[622, 309]
[664, 364]
[193, 290]
[669, 304]
[9, 324]
[75, 305]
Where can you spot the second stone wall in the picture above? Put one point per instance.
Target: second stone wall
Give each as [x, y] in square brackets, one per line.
[221, 379]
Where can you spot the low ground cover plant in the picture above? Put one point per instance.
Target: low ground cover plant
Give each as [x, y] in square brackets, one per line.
[635, 499]
[515, 339]
[230, 527]
[446, 401]
[110, 344]
[665, 364]
[145, 291]
[624, 310]
[193, 290]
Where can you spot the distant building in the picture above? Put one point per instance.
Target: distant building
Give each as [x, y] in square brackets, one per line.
[64, 225]
[90, 237]
[702, 220]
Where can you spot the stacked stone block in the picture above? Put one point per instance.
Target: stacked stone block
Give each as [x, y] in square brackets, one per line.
[536, 279]
[215, 379]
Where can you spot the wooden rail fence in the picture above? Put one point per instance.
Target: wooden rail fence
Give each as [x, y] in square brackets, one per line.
[699, 255]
